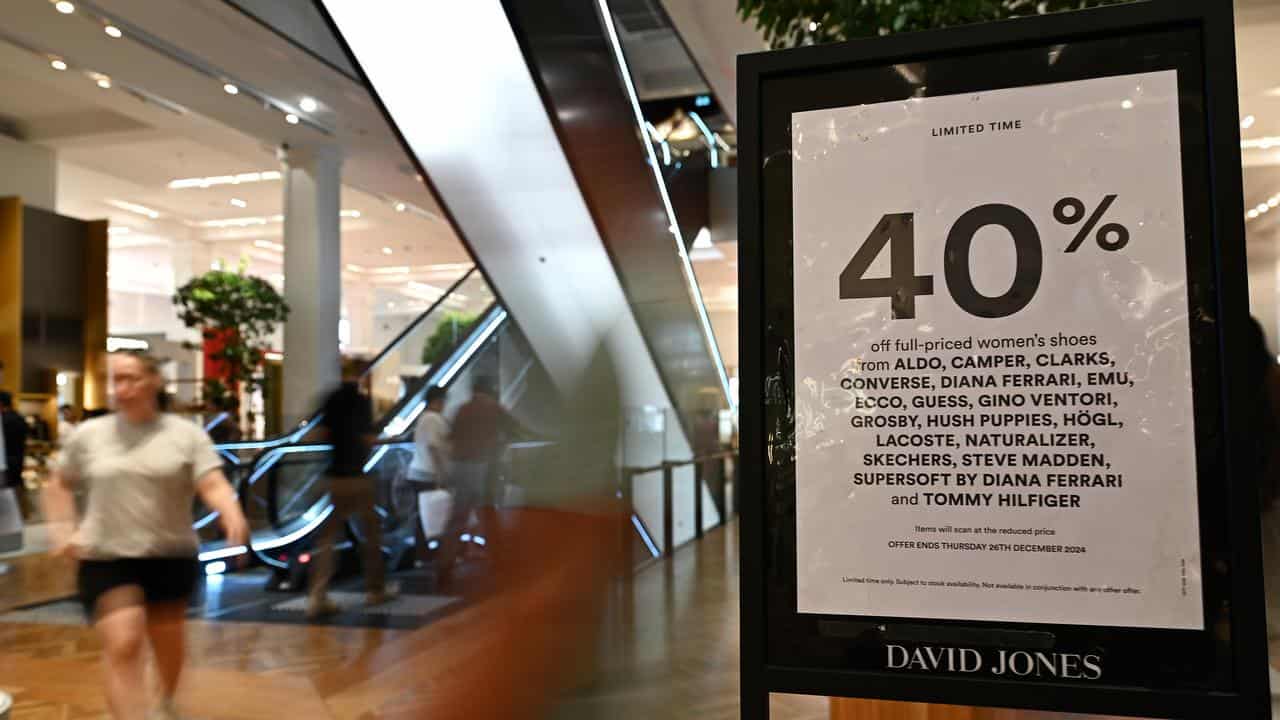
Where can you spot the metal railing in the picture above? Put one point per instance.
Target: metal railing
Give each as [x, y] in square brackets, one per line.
[727, 477]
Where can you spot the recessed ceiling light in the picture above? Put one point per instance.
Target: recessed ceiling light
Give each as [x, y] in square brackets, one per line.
[1253, 214]
[230, 89]
[350, 213]
[1263, 207]
[58, 64]
[1127, 104]
[1273, 202]
[104, 83]
[291, 119]
[401, 207]
[239, 203]
[1248, 122]
[309, 104]
[113, 31]
[65, 7]
[387, 251]
[134, 208]
[118, 230]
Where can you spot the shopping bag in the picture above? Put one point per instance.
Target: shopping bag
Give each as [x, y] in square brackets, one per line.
[434, 508]
[10, 521]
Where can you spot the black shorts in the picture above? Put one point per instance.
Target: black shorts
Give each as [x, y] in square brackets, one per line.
[163, 580]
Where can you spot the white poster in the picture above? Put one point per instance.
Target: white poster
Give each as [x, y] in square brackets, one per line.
[992, 361]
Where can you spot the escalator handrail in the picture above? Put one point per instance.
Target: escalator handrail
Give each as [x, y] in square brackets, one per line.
[493, 317]
[310, 423]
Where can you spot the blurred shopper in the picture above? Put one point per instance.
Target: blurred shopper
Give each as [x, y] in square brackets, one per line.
[430, 460]
[15, 430]
[347, 424]
[482, 428]
[1262, 418]
[141, 469]
[66, 422]
[514, 652]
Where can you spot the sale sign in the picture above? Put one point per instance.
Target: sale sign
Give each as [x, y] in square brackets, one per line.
[994, 414]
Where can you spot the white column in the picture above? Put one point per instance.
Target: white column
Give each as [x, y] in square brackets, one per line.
[312, 277]
[357, 299]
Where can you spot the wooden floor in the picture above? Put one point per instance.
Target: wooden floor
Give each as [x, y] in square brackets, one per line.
[669, 649]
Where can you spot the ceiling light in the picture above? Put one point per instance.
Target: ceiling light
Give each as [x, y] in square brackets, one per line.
[244, 221]
[1263, 208]
[118, 230]
[134, 208]
[104, 82]
[355, 268]
[1248, 122]
[291, 119]
[230, 89]
[350, 213]
[1262, 143]
[309, 105]
[813, 26]
[391, 306]
[386, 251]
[64, 7]
[239, 203]
[58, 64]
[1253, 214]
[400, 207]
[204, 182]
[1127, 104]
[1273, 202]
[113, 31]
[268, 245]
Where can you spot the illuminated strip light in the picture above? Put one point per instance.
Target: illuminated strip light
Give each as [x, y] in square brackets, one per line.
[644, 535]
[223, 553]
[377, 455]
[457, 366]
[116, 344]
[657, 137]
[283, 540]
[134, 208]
[691, 280]
[710, 138]
[206, 182]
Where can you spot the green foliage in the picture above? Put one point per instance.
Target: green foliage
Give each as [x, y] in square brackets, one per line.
[788, 23]
[453, 328]
[241, 309]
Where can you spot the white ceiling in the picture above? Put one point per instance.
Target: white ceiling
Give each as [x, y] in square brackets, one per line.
[136, 148]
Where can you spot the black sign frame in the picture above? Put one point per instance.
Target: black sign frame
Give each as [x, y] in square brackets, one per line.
[1229, 496]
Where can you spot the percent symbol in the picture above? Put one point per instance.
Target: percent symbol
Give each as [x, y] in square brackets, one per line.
[1110, 237]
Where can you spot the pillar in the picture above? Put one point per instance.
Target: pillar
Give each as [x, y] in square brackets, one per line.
[11, 293]
[312, 277]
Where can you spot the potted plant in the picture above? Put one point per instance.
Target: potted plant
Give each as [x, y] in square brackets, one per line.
[453, 328]
[789, 23]
[236, 315]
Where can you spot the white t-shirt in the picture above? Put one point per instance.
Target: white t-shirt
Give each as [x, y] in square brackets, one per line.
[432, 431]
[141, 480]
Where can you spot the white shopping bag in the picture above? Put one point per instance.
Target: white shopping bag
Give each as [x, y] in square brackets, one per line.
[434, 508]
[10, 521]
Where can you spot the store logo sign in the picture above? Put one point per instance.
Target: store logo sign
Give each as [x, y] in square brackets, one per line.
[1005, 663]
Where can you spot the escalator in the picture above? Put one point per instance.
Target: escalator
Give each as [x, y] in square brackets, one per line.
[280, 481]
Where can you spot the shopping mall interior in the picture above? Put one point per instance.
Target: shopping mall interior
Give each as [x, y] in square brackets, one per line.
[537, 199]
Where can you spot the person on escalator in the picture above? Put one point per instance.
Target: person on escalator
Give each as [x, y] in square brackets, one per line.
[141, 469]
[430, 467]
[482, 428]
[347, 424]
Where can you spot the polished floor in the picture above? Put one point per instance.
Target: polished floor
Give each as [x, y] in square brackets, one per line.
[669, 650]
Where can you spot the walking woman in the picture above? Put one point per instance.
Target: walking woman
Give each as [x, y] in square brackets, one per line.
[141, 469]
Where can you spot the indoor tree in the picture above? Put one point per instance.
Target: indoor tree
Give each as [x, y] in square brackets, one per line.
[236, 315]
[788, 23]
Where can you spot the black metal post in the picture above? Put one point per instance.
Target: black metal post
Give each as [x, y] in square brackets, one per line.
[697, 500]
[668, 515]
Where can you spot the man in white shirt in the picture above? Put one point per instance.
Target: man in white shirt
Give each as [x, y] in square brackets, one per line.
[430, 466]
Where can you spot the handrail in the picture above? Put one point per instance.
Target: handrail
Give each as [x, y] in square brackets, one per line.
[310, 423]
